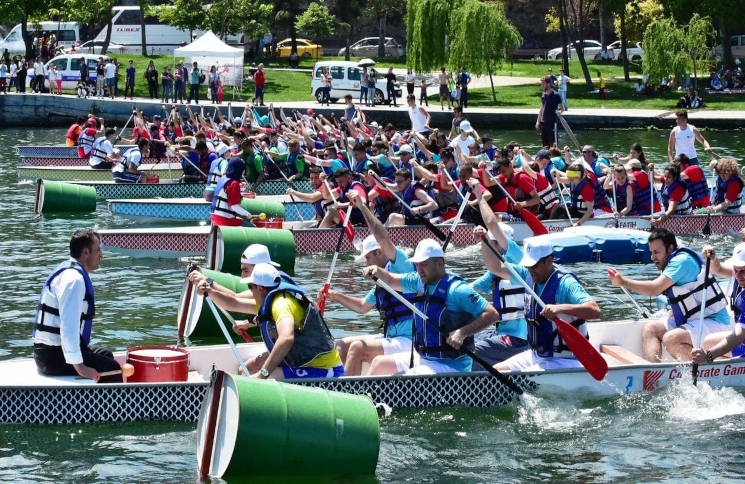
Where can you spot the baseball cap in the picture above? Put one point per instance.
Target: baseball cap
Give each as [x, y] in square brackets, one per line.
[535, 249]
[238, 121]
[368, 245]
[91, 122]
[405, 149]
[310, 112]
[264, 275]
[374, 124]
[426, 249]
[633, 164]
[508, 231]
[466, 126]
[543, 154]
[257, 254]
[738, 255]
[221, 149]
[311, 133]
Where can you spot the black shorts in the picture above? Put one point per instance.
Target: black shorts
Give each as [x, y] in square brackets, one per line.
[50, 360]
[444, 91]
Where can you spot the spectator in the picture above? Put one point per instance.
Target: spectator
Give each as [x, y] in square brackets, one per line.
[195, 79]
[166, 84]
[444, 79]
[391, 87]
[179, 77]
[13, 74]
[151, 75]
[212, 82]
[129, 83]
[465, 78]
[326, 81]
[100, 77]
[551, 77]
[638, 88]
[423, 94]
[111, 78]
[605, 56]
[410, 80]
[601, 85]
[697, 102]
[260, 81]
[22, 70]
[364, 81]
[3, 77]
[372, 81]
[55, 80]
[563, 80]
[550, 104]
[39, 75]
[219, 91]
[294, 59]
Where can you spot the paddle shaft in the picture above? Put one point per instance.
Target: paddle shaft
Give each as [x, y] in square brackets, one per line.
[436, 232]
[564, 201]
[124, 128]
[587, 354]
[699, 341]
[191, 163]
[489, 368]
[242, 331]
[462, 208]
[289, 184]
[569, 131]
[227, 335]
[529, 217]
[339, 241]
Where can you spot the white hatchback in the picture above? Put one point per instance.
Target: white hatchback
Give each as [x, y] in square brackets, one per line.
[346, 80]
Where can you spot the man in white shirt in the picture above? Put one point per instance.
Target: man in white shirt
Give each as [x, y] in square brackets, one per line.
[111, 78]
[64, 318]
[563, 81]
[127, 170]
[103, 153]
[464, 139]
[683, 139]
[39, 74]
[419, 116]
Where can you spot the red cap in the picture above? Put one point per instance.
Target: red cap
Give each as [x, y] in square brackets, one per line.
[91, 121]
[310, 112]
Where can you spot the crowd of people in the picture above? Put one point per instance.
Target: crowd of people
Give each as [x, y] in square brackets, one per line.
[381, 176]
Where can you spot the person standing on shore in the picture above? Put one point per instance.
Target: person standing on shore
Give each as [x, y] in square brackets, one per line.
[683, 139]
[260, 81]
[546, 122]
[391, 87]
[410, 81]
[110, 69]
[129, 82]
[563, 80]
[464, 78]
[195, 80]
[39, 75]
[178, 81]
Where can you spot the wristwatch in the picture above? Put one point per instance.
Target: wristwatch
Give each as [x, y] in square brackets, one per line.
[209, 282]
[264, 373]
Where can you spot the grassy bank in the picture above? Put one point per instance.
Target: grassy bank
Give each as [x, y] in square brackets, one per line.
[290, 86]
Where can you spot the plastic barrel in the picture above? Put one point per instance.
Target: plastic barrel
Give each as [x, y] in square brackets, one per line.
[264, 428]
[195, 318]
[226, 244]
[59, 197]
[255, 206]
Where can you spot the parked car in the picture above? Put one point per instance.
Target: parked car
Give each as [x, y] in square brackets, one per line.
[592, 49]
[68, 68]
[530, 50]
[305, 48]
[95, 46]
[737, 42]
[633, 50]
[347, 77]
[368, 47]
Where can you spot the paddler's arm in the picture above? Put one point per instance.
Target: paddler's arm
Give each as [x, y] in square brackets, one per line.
[654, 287]
[285, 340]
[719, 268]
[724, 346]
[356, 304]
[393, 280]
[489, 218]
[423, 173]
[487, 318]
[305, 197]
[375, 226]
[428, 204]
[222, 296]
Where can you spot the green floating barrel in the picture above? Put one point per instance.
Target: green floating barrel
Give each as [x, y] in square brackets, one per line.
[60, 197]
[256, 206]
[264, 428]
[226, 245]
[195, 318]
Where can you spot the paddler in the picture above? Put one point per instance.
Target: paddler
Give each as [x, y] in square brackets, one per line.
[727, 343]
[377, 250]
[127, 169]
[226, 209]
[298, 339]
[564, 297]
[455, 313]
[316, 197]
[64, 317]
[682, 281]
[88, 137]
[588, 197]
[73, 132]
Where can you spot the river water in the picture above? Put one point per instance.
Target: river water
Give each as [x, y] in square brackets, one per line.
[680, 433]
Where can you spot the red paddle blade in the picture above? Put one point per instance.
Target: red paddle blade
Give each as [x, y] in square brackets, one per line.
[246, 336]
[322, 299]
[348, 228]
[590, 358]
[533, 223]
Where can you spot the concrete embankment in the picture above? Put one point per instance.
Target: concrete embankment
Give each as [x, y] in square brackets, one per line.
[29, 110]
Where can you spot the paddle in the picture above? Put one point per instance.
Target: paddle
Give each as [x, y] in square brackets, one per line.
[489, 368]
[340, 240]
[244, 334]
[348, 229]
[227, 335]
[190, 162]
[700, 342]
[564, 200]
[642, 311]
[707, 228]
[436, 232]
[287, 180]
[529, 217]
[569, 131]
[126, 370]
[125, 127]
[463, 205]
[590, 358]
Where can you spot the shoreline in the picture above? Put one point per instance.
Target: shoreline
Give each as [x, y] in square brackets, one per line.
[44, 110]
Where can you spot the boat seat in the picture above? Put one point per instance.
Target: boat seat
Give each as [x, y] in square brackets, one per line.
[623, 355]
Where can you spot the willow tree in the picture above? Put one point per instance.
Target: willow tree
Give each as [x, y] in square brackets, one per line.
[663, 51]
[697, 36]
[477, 33]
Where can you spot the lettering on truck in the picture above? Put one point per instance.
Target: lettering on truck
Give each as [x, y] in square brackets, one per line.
[127, 29]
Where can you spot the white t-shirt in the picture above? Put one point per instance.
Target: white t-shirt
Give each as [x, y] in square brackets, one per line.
[133, 157]
[38, 69]
[13, 69]
[110, 70]
[563, 83]
[52, 75]
[463, 143]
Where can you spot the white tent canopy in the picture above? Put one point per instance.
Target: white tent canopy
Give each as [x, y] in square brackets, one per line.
[208, 50]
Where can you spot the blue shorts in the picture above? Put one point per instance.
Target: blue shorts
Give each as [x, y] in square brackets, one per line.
[111, 82]
[121, 177]
[288, 372]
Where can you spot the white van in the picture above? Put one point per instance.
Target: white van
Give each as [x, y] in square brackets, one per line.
[347, 76]
[68, 66]
[67, 33]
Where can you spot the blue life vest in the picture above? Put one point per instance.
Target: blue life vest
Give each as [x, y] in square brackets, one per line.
[722, 191]
[542, 333]
[392, 311]
[427, 340]
[621, 195]
[355, 214]
[685, 299]
[214, 174]
[684, 206]
[410, 199]
[47, 305]
[698, 191]
[736, 300]
[642, 195]
[600, 197]
[598, 164]
[312, 341]
[383, 208]
[320, 207]
[189, 168]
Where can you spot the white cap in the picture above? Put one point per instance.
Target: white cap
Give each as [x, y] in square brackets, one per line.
[426, 249]
[535, 249]
[466, 126]
[368, 245]
[311, 132]
[264, 275]
[221, 149]
[508, 231]
[374, 124]
[738, 255]
[257, 254]
[405, 149]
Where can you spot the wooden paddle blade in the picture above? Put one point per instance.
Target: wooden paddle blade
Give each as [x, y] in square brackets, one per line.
[590, 358]
[322, 299]
[533, 223]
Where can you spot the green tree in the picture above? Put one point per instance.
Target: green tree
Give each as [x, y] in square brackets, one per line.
[427, 28]
[573, 19]
[185, 15]
[316, 21]
[381, 11]
[639, 15]
[697, 36]
[26, 12]
[89, 12]
[663, 51]
[481, 38]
